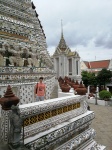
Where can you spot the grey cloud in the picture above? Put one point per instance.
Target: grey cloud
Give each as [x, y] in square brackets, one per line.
[83, 22]
[104, 40]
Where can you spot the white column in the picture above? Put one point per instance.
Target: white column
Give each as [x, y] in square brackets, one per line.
[62, 65]
[97, 90]
[88, 90]
[65, 66]
[60, 74]
[73, 67]
[79, 70]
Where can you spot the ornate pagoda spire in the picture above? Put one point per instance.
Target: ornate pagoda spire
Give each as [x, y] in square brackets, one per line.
[62, 44]
[61, 29]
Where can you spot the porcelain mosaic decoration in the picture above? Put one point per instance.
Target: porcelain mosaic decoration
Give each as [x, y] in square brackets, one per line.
[25, 91]
[22, 38]
[59, 124]
[70, 128]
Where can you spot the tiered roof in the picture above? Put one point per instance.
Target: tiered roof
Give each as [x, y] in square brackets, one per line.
[62, 48]
[62, 44]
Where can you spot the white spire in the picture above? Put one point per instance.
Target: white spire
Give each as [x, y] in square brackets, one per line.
[61, 28]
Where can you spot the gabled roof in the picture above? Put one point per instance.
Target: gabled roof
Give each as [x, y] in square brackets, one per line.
[97, 64]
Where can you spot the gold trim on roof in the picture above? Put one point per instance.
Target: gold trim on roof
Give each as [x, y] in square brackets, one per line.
[71, 54]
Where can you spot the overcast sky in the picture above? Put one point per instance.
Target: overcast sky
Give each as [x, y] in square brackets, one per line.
[87, 26]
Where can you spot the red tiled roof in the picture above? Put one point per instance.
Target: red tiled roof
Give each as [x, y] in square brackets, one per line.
[97, 64]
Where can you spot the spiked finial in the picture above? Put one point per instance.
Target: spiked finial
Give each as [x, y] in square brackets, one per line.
[61, 28]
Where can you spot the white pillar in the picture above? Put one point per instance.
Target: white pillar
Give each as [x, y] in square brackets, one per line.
[73, 68]
[88, 90]
[79, 70]
[60, 74]
[62, 66]
[65, 66]
[97, 90]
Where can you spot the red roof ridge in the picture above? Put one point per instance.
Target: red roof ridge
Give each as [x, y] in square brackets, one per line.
[97, 60]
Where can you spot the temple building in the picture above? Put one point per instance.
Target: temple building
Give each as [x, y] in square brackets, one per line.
[66, 62]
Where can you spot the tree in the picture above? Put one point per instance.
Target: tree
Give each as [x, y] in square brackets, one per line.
[104, 76]
[93, 80]
[89, 78]
[85, 78]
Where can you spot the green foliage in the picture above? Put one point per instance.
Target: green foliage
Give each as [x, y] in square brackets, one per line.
[89, 78]
[104, 76]
[105, 95]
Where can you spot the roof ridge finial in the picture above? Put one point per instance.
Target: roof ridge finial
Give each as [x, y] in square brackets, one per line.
[61, 28]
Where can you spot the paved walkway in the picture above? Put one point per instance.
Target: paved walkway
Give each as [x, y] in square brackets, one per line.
[103, 124]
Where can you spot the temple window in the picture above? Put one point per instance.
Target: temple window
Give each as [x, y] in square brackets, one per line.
[77, 67]
[70, 66]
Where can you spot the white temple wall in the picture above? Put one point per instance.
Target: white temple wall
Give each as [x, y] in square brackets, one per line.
[61, 66]
[65, 66]
[73, 66]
